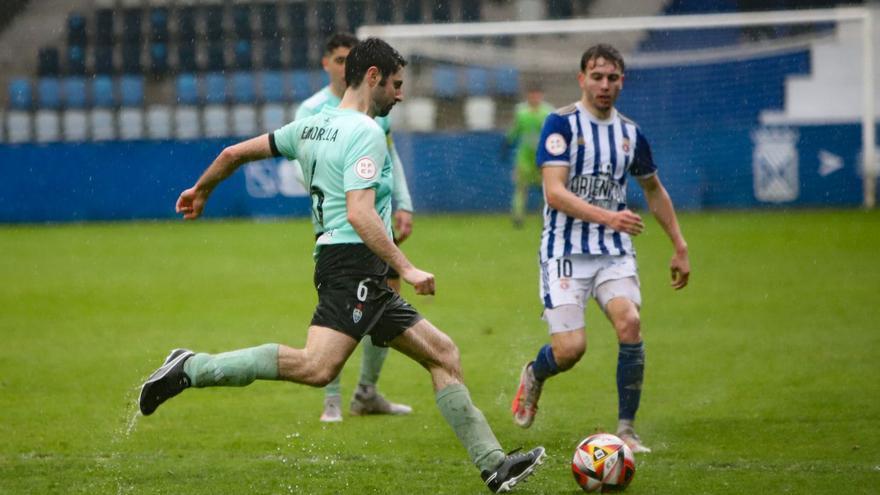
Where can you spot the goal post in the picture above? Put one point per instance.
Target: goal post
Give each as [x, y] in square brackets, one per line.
[436, 40]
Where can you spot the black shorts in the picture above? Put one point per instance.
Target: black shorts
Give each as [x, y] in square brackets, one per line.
[354, 298]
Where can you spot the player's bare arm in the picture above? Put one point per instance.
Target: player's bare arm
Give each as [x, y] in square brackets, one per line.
[559, 197]
[362, 216]
[192, 201]
[661, 206]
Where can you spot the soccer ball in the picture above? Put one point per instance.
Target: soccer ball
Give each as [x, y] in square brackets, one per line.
[603, 463]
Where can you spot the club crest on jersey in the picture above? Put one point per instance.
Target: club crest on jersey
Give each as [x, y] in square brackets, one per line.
[625, 145]
[775, 164]
[357, 314]
[365, 168]
[555, 144]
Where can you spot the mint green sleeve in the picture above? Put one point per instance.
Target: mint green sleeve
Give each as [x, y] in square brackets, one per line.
[400, 192]
[304, 111]
[364, 159]
[285, 142]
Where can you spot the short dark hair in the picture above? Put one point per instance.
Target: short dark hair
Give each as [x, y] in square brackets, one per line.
[605, 51]
[368, 53]
[347, 40]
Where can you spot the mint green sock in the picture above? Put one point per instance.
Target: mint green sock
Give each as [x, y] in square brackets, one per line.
[234, 368]
[371, 366]
[334, 387]
[470, 426]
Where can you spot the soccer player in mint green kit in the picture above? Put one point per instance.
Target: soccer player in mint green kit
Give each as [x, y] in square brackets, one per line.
[525, 131]
[345, 161]
[366, 399]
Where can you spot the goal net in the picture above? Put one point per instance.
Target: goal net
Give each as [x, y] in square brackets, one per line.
[741, 110]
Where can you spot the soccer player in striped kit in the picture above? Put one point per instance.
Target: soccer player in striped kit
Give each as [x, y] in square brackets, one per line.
[586, 151]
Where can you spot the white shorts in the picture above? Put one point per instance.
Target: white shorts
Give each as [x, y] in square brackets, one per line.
[572, 280]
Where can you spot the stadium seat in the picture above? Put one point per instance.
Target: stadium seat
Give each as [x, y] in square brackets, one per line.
[102, 124]
[131, 91]
[477, 81]
[103, 93]
[131, 58]
[186, 123]
[158, 58]
[186, 24]
[131, 124]
[215, 88]
[214, 22]
[104, 29]
[75, 126]
[20, 94]
[271, 54]
[385, 11]
[243, 87]
[76, 29]
[215, 121]
[19, 127]
[271, 86]
[132, 21]
[412, 11]
[48, 62]
[244, 57]
[159, 25]
[76, 59]
[74, 91]
[159, 122]
[186, 56]
[216, 56]
[442, 12]
[326, 18]
[187, 87]
[47, 126]
[269, 29]
[506, 81]
[272, 117]
[49, 93]
[244, 120]
[470, 11]
[241, 21]
[300, 84]
[479, 113]
[354, 13]
[445, 81]
[104, 59]
[299, 52]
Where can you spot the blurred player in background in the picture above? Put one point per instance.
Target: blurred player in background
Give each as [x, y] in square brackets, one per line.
[366, 399]
[345, 160]
[528, 118]
[586, 151]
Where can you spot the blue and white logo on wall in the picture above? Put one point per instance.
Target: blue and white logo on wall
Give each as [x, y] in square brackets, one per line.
[269, 178]
[775, 164]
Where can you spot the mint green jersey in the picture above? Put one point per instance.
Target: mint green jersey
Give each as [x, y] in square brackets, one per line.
[325, 97]
[526, 131]
[339, 150]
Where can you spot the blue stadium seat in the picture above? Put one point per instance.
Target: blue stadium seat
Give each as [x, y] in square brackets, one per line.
[158, 58]
[299, 52]
[269, 28]
[76, 59]
[470, 11]
[104, 59]
[241, 21]
[131, 91]
[355, 13]
[131, 58]
[186, 56]
[506, 81]
[385, 11]
[412, 11]
[216, 61]
[243, 87]
[272, 54]
[159, 24]
[132, 21]
[300, 84]
[103, 94]
[187, 89]
[215, 87]
[214, 22]
[48, 63]
[445, 81]
[244, 59]
[49, 92]
[104, 32]
[477, 81]
[76, 29]
[186, 24]
[272, 86]
[74, 91]
[20, 94]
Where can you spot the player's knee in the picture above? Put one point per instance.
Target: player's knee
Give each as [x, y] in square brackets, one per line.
[629, 328]
[569, 354]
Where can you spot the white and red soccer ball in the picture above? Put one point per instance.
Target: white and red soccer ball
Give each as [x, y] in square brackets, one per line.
[603, 463]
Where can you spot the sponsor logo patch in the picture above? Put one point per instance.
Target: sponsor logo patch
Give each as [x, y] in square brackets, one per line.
[555, 144]
[365, 168]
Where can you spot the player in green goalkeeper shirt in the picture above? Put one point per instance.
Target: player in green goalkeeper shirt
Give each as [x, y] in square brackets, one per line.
[524, 133]
[366, 399]
[344, 157]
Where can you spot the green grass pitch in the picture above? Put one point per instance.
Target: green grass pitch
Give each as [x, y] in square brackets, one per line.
[762, 376]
